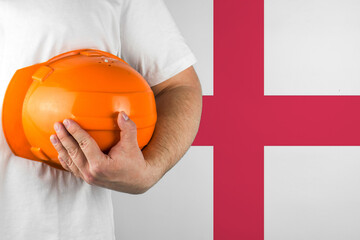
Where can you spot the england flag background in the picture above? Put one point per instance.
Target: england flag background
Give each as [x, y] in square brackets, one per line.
[312, 48]
[277, 156]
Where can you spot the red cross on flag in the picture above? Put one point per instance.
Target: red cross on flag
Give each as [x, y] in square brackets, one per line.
[283, 119]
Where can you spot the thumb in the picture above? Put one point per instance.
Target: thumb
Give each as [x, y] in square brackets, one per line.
[128, 130]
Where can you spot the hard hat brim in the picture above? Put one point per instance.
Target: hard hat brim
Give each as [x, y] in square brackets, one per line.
[12, 113]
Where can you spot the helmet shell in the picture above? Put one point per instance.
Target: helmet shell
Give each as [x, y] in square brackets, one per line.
[89, 86]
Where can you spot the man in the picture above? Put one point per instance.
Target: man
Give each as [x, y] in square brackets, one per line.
[41, 202]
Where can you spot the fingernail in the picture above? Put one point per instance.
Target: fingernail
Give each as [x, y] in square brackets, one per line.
[56, 127]
[66, 123]
[125, 116]
[53, 139]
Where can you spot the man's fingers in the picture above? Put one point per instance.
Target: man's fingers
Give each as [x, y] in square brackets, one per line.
[128, 135]
[86, 143]
[65, 160]
[128, 131]
[72, 148]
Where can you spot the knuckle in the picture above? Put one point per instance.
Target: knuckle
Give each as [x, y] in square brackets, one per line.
[62, 137]
[69, 163]
[65, 159]
[59, 148]
[84, 143]
[73, 152]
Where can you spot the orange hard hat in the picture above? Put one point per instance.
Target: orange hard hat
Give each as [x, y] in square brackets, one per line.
[89, 86]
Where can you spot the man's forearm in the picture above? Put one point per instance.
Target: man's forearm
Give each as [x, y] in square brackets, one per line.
[179, 113]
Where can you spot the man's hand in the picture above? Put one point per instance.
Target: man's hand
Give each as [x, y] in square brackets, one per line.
[123, 169]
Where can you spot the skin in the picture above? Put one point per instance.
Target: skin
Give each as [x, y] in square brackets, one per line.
[127, 168]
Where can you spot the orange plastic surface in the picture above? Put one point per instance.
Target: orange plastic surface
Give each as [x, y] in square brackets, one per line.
[86, 85]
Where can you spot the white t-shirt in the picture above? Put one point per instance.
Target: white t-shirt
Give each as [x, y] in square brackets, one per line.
[36, 200]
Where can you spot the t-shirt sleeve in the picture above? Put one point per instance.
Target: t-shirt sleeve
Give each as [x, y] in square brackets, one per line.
[151, 41]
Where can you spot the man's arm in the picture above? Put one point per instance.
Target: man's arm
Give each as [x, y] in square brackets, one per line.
[179, 105]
